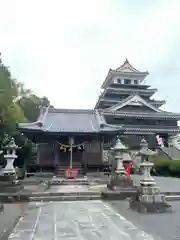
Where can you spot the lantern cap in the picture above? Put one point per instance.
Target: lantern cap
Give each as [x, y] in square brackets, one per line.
[11, 144]
[119, 145]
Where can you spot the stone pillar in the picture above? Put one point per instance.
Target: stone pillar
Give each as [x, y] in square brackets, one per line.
[147, 179]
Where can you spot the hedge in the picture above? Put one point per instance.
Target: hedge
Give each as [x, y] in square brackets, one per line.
[166, 168]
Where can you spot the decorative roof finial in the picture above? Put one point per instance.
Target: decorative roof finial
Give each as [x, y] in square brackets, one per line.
[126, 61]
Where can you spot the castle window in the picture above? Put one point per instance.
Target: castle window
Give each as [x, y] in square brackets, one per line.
[127, 81]
[119, 80]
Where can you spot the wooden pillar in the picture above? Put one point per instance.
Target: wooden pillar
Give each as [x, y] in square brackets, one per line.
[71, 142]
[38, 153]
[56, 154]
[84, 160]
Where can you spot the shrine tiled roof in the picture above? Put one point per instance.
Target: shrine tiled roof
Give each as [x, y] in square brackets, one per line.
[65, 120]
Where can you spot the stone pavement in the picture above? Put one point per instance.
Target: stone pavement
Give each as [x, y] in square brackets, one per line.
[166, 226]
[9, 217]
[75, 221]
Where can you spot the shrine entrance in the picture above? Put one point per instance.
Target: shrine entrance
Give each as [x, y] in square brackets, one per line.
[70, 155]
[65, 158]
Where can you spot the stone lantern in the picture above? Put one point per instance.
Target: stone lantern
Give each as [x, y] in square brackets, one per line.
[118, 178]
[148, 198]
[146, 165]
[8, 177]
[10, 156]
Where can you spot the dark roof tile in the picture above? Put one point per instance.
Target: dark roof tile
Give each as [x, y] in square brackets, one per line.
[66, 120]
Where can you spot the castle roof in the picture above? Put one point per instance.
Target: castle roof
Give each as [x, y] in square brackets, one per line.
[126, 69]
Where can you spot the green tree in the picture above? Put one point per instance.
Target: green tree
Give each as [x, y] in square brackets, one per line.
[31, 106]
[17, 104]
[10, 112]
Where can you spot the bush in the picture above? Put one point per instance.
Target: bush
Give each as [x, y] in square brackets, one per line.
[162, 167]
[167, 168]
[175, 168]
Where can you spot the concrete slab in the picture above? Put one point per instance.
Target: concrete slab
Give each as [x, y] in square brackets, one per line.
[75, 221]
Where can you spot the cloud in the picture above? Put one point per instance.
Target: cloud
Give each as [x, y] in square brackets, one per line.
[63, 49]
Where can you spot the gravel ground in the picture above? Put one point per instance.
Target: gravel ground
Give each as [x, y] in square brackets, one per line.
[166, 226]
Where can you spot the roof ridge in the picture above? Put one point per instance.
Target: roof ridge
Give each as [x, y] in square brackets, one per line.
[43, 114]
[128, 100]
[69, 110]
[123, 101]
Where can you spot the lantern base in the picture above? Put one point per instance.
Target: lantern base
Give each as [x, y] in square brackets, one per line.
[149, 200]
[9, 184]
[119, 182]
[150, 207]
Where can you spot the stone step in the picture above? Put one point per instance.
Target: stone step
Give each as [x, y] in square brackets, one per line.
[61, 172]
[39, 194]
[65, 198]
[56, 194]
[50, 196]
[118, 195]
[172, 198]
[65, 167]
[63, 181]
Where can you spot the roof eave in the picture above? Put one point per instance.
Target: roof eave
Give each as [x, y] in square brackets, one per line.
[98, 102]
[107, 78]
[148, 92]
[25, 130]
[111, 73]
[151, 115]
[132, 73]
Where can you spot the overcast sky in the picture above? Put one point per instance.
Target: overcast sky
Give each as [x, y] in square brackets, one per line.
[63, 49]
